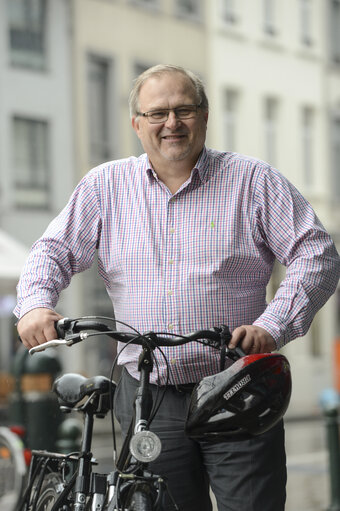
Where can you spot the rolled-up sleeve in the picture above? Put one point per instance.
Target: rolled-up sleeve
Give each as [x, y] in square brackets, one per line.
[291, 229]
[67, 247]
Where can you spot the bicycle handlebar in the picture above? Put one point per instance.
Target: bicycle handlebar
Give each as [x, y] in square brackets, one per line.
[72, 331]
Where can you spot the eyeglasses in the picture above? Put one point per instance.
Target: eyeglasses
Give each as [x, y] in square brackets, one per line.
[181, 112]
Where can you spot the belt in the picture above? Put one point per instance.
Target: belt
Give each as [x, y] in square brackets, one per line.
[184, 388]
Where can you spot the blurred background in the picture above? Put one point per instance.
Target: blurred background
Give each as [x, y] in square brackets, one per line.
[272, 73]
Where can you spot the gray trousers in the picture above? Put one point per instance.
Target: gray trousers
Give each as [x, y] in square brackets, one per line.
[244, 475]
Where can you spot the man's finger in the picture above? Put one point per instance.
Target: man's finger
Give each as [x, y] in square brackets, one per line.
[236, 336]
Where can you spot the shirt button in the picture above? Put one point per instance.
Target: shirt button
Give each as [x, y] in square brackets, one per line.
[171, 261]
[170, 292]
[172, 230]
[170, 326]
[173, 361]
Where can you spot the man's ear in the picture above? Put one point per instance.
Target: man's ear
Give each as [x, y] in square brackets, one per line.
[135, 124]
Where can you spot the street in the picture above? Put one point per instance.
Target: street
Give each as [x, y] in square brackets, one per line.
[307, 462]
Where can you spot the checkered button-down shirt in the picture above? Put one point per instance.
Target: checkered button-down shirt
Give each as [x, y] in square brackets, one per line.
[196, 259]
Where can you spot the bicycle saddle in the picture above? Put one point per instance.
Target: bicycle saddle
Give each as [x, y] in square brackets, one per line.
[71, 388]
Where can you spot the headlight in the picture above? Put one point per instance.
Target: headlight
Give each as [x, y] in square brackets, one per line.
[145, 446]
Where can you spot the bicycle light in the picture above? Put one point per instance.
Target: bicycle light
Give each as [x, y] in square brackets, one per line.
[145, 446]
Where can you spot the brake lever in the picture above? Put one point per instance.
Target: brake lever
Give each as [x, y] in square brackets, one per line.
[54, 343]
[48, 344]
[232, 353]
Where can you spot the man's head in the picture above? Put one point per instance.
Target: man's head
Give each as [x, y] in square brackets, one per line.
[169, 111]
[159, 70]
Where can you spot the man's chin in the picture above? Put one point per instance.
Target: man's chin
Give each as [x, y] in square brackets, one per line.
[176, 155]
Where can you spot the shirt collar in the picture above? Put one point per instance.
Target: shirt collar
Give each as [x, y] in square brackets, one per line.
[201, 166]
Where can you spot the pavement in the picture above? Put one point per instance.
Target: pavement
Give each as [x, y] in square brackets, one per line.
[308, 487]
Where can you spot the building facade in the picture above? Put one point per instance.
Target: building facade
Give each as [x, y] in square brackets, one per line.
[36, 126]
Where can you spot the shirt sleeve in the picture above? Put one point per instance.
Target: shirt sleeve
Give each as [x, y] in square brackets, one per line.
[67, 247]
[289, 227]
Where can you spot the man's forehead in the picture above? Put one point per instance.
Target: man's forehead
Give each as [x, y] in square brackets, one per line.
[171, 81]
[166, 85]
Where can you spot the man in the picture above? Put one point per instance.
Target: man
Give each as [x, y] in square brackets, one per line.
[186, 239]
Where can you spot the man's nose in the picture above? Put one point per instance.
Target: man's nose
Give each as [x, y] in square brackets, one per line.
[172, 120]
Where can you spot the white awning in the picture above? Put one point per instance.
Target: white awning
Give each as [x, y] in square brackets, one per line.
[13, 255]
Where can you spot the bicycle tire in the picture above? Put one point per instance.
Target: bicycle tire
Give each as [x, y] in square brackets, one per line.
[140, 498]
[50, 490]
[12, 469]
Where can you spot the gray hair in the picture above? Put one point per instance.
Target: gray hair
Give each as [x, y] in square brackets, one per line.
[159, 70]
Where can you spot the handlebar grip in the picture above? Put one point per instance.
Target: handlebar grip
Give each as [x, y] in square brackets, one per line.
[61, 327]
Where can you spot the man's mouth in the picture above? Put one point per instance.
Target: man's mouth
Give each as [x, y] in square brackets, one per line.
[174, 137]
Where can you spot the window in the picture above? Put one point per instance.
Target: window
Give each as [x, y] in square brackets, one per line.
[228, 11]
[189, 8]
[230, 119]
[335, 31]
[27, 25]
[99, 111]
[307, 146]
[269, 16]
[270, 129]
[31, 163]
[306, 21]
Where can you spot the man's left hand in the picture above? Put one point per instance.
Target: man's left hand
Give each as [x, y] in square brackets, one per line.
[252, 339]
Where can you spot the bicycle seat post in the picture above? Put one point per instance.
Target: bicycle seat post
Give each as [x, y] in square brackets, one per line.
[85, 457]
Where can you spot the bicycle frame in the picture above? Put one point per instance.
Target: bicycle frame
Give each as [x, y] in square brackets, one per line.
[117, 491]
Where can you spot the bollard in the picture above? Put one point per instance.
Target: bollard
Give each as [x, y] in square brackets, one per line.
[33, 404]
[330, 405]
[332, 429]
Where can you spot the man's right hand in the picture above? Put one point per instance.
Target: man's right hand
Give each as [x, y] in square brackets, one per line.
[37, 327]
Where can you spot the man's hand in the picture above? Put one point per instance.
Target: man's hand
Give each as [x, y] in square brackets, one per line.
[252, 339]
[37, 327]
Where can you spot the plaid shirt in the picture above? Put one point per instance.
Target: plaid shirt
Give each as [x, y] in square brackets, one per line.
[192, 260]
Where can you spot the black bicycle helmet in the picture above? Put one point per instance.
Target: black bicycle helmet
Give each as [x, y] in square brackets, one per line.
[249, 397]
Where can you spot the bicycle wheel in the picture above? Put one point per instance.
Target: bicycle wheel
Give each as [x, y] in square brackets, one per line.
[140, 498]
[50, 490]
[12, 469]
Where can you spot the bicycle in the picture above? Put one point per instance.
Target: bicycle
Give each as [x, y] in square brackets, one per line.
[68, 482]
[13, 468]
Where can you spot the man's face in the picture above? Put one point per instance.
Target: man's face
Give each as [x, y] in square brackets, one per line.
[174, 139]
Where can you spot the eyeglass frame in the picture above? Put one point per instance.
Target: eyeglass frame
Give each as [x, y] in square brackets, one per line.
[167, 112]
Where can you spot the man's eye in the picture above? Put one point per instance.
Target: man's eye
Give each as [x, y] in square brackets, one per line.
[184, 111]
[159, 114]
